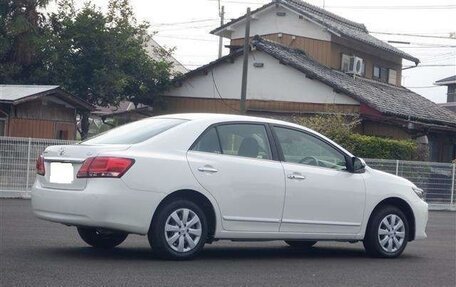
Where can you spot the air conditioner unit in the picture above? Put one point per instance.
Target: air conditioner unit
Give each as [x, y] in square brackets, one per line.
[356, 66]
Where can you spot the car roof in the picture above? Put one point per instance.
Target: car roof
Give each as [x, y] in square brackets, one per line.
[223, 117]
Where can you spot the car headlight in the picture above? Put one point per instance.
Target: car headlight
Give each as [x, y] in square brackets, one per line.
[418, 192]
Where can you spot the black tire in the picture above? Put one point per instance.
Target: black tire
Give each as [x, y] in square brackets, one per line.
[300, 243]
[157, 234]
[101, 239]
[372, 239]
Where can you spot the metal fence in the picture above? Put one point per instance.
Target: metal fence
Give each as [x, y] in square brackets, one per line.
[17, 163]
[18, 156]
[435, 178]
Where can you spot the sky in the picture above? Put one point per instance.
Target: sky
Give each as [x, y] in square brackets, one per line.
[185, 26]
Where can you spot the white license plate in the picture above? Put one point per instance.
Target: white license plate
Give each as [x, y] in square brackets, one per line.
[61, 172]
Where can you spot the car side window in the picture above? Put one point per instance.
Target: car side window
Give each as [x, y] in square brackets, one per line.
[246, 140]
[209, 142]
[300, 147]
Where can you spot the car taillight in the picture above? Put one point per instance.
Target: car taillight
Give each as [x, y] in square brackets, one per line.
[40, 165]
[104, 166]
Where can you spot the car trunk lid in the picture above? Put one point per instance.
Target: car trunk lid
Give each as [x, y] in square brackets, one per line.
[62, 163]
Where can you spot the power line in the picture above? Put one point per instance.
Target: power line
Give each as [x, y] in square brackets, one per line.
[421, 44]
[414, 35]
[381, 7]
[186, 22]
[438, 58]
[242, 2]
[187, 27]
[194, 65]
[430, 65]
[388, 7]
[185, 38]
[424, 87]
[219, 95]
[430, 47]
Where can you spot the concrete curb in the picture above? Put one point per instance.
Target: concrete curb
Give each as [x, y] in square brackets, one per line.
[14, 194]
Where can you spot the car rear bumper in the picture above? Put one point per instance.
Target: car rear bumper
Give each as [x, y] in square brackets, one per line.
[104, 203]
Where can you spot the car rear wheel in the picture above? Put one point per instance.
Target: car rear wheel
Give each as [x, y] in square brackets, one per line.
[387, 233]
[101, 238]
[300, 244]
[179, 231]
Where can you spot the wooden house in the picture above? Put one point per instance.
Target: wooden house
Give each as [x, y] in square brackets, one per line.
[39, 111]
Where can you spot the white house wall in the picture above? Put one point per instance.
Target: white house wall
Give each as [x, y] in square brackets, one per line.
[267, 22]
[274, 81]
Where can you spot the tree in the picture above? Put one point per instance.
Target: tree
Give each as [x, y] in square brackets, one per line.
[22, 41]
[101, 58]
[335, 126]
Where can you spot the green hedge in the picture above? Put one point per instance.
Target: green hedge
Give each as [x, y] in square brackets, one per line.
[340, 128]
[377, 147]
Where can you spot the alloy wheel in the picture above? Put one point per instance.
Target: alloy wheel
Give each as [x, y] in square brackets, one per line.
[183, 230]
[391, 233]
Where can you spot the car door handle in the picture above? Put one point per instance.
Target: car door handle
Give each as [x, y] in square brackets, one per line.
[296, 176]
[208, 169]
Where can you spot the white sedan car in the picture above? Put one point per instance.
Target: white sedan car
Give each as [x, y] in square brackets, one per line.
[189, 179]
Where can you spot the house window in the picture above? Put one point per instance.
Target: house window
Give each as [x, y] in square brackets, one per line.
[380, 74]
[392, 76]
[376, 73]
[345, 65]
[62, 135]
[2, 127]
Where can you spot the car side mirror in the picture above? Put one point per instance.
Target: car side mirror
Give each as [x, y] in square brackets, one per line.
[358, 165]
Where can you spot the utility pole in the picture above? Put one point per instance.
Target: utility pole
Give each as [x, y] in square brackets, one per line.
[245, 64]
[222, 19]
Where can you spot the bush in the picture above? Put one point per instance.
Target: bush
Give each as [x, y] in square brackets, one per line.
[383, 148]
[339, 128]
[335, 126]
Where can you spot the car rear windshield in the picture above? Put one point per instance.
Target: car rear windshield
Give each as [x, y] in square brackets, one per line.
[135, 132]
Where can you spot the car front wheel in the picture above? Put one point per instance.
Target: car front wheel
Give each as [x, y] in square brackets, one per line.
[179, 231]
[101, 238]
[387, 233]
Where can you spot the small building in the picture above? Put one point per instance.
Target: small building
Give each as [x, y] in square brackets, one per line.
[123, 113]
[450, 82]
[39, 111]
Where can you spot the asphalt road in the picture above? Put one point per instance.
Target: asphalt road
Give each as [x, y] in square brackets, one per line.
[38, 253]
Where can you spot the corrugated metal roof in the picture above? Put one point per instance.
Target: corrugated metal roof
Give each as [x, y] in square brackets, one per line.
[16, 92]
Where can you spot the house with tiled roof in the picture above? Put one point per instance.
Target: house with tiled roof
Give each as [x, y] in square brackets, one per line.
[305, 60]
[450, 83]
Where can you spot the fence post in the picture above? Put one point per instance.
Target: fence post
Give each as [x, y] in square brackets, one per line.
[452, 185]
[28, 165]
[397, 167]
